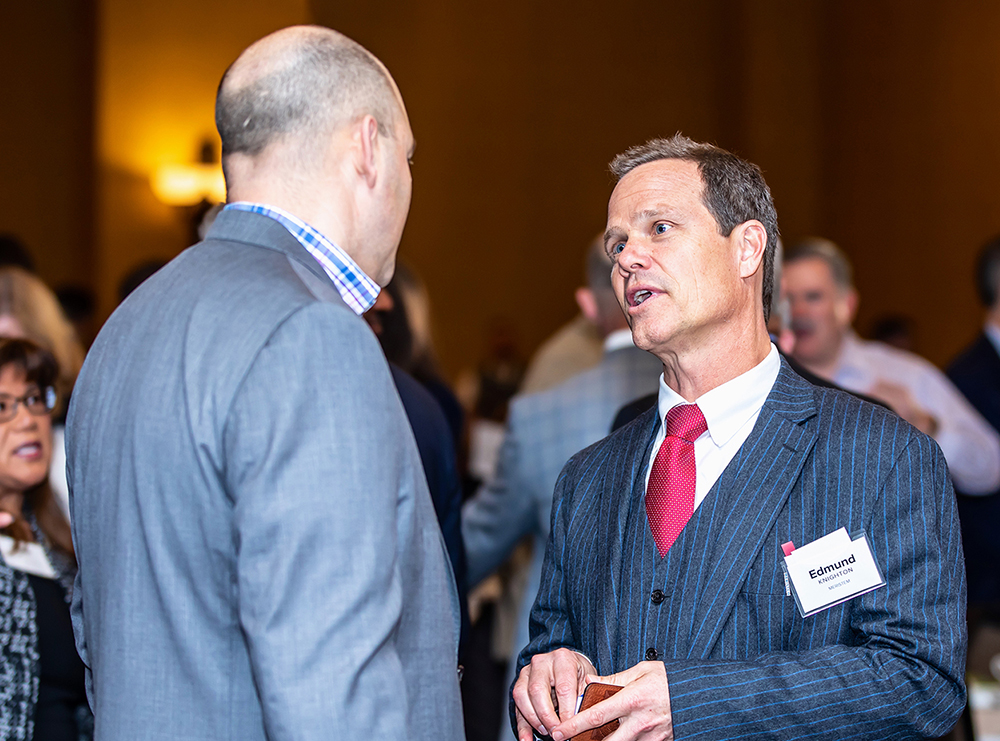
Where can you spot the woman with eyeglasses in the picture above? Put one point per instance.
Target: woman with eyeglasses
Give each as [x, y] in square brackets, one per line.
[42, 694]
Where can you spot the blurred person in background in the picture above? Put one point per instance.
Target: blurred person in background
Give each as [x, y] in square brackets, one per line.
[435, 438]
[404, 331]
[571, 349]
[29, 309]
[42, 695]
[543, 431]
[820, 288]
[137, 276]
[79, 305]
[976, 373]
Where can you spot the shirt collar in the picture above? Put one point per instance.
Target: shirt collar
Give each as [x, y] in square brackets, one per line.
[728, 407]
[618, 340]
[355, 287]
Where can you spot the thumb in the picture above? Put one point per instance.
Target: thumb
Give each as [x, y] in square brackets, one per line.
[620, 679]
[6, 519]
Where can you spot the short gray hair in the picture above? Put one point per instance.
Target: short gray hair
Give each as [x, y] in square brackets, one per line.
[734, 190]
[823, 249]
[322, 82]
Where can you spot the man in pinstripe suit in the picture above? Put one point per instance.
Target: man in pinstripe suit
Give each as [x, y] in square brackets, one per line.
[704, 635]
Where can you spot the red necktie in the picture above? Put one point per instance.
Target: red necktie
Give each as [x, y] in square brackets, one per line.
[670, 491]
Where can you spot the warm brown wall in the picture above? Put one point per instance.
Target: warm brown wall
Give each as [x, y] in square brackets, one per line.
[517, 109]
[46, 134]
[911, 133]
[159, 65]
[875, 124]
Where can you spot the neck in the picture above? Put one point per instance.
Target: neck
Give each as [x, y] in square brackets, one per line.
[313, 192]
[696, 370]
[12, 502]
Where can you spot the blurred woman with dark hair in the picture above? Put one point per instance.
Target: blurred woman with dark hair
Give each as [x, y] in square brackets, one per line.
[42, 694]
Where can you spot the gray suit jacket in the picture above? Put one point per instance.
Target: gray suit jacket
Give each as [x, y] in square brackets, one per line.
[741, 662]
[259, 556]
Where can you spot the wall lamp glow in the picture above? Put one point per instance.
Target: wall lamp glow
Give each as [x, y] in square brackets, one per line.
[191, 184]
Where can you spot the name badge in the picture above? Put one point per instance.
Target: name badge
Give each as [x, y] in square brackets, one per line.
[831, 570]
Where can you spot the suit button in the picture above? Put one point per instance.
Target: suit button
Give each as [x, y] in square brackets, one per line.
[651, 654]
[657, 596]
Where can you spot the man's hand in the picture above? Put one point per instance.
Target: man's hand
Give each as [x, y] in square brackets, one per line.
[642, 706]
[563, 670]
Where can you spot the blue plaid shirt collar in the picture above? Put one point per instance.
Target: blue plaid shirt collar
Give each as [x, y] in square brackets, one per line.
[357, 289]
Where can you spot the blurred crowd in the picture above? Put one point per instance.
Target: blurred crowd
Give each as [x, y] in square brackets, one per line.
[493, 440]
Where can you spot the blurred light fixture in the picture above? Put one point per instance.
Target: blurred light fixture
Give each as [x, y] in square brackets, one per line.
[191, 184]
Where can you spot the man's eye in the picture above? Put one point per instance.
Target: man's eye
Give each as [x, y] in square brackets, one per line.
[618, 248]
[661, 228]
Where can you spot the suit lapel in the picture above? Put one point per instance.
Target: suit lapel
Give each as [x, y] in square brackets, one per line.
[742, 508]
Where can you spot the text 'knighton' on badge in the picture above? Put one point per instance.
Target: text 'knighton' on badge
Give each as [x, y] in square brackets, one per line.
[832, 570]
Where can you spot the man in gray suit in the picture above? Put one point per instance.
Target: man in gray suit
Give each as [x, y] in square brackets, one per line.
[546, 428]
[259, 556]
[679, 566]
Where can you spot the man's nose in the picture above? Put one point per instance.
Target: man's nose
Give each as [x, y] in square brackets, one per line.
[23, 419]
[634, 255]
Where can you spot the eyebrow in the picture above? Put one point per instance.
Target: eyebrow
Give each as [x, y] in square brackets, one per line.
[612, 233]
[644, 215]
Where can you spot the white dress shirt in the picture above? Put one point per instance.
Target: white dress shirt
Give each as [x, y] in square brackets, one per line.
[970, 446]
[730, 410]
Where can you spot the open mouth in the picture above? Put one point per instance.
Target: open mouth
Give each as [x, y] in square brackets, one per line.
[639, 296]
[28, 450]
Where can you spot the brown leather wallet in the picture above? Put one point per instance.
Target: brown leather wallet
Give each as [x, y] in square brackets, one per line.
[593, 694]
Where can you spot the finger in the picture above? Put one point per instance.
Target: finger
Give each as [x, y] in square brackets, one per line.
[620, 678]
[540, 683]
[524, 729]
[6, 519]
[523, 708]
[593, 717]
[569, 683]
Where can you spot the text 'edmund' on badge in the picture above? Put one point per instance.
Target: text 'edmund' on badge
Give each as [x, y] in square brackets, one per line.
[832, 570]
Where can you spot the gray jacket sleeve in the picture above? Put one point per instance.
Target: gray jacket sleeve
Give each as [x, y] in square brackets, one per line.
[312, 443]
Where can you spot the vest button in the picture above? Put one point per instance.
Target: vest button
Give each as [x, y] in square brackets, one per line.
[651, 654]
[657, 596]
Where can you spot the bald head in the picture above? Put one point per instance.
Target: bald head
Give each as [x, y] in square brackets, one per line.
[301, 83]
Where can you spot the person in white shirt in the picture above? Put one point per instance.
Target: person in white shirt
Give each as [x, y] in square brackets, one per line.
[819, 285]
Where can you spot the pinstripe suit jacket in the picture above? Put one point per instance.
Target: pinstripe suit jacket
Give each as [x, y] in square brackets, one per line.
[740, 661]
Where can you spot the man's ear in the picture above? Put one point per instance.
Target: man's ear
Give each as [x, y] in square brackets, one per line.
[588, 304]
[752, 241]
[846, 307]
[366, 141]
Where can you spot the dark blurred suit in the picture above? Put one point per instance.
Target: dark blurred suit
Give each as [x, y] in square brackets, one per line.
[976, 373]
